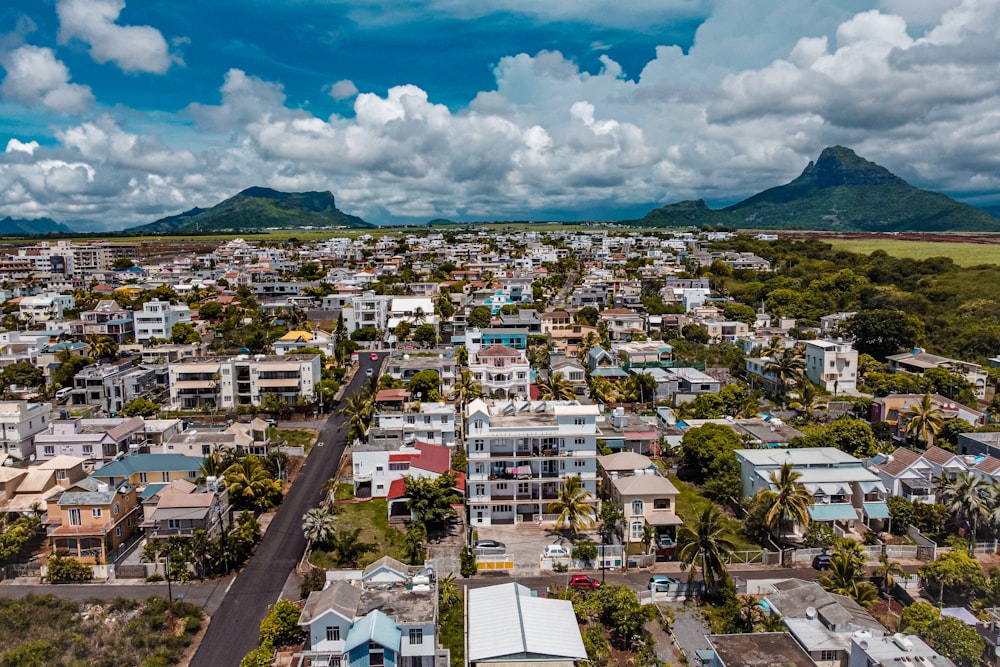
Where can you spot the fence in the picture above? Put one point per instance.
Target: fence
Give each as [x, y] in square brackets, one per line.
[758, 557]
[872, 553]
[901, 551]
[494, 563]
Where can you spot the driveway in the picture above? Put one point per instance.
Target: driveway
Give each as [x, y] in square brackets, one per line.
[689, 631]
[525, 543]
[233, 630]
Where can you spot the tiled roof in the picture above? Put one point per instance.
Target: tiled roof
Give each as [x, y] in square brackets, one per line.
[938, 456]
[900, 460]
[990, 465]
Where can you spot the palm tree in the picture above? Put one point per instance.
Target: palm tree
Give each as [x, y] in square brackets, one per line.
[885, 574]
[791, 500]
[466, 388]
[572, 506]
[787, 365]
[602, 390]
[359, 410]
[590, 341]
[249, 483]
[969, 497]
[448, 592]
[556, 387]
[705, 545]
[924, 420]
[414, 541]
[808, 401]
[648, 537]
[213, 465]
[318, 524]
[846, 577]
[100, 347]
[348, 546]
[418, 316]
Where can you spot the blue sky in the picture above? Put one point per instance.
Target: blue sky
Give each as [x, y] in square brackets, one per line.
[115, 113]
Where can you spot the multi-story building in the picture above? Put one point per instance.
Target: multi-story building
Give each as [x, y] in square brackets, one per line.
[93, 520]
[387, 617]
[181, 507]
[520, 454]
[293, 341]
[243, 380]
[19, 422]
[45, 307]
[645, 497]
[917, 360]
[109, 387]
[404, 365]
[367, 310]
[157, 320]
[106, 319]
[832, 365]
[95, 441]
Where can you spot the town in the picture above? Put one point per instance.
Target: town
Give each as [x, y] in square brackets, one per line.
[470, 447]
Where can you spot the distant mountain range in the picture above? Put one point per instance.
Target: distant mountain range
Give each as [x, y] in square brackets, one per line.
[15, 226]
[839, 192]
[258, 209]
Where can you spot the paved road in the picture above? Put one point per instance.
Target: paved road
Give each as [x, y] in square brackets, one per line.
[233, 630]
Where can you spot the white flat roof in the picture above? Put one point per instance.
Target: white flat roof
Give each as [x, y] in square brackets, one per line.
[805, 456]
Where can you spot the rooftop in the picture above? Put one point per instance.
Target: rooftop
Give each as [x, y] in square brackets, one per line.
[762, 649]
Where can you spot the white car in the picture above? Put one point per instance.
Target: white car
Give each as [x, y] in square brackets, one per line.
[555, 551]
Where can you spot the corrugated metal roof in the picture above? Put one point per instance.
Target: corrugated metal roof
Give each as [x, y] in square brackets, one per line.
[375, 627]
[833, 512]
[877, 510]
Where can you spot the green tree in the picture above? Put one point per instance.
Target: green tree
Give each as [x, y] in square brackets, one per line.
[585, 551]
[886, 572]
[695, 333]
[183, 333]
[101, 347]
[854, 437]
[846, 577]
[924, 420]
[348, 546]
[791, 500]
[427, 383]
[901, 514]
[917, 618]
[467, 562]
[425, 333]
[466, 388]
[359, 409]
[63, 569]
[967, 497]
[705, 545]
[573, 505]
[432, 500]
[21, 374]
[449, 593]
[414, 543]
[211, 311]
[588, 316]
[280, 626]
[319, 524]
[556, 387]
[707, 455]
[880, 333]
[957, 641]
[955, 574]
[403, 330]
[250, 485]
[479, 317]
[139, 407]
[262, 656]
[787, 365]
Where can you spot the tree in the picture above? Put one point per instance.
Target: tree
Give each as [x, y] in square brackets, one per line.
[319, 524]
[956, 575]
[787, 365]
[791, 500]
[63, 569]
[139, 407]
[359, 410]
[425, 333]
[588, 316]
[880, 333]
[101, 347]
[183, 333]
[846, 577]
[853, 436]
[954, 639]
[403, 330]
[705, 545]
[431, 500]
[573, 506]
[901, 514]
[413, 543]
[448, 592]
[122, 263]
[466, 387]
[886, 572]
[556, 387]
[648, 537]
[250, 485]
[585, 551]
[21, 374]
[707, 454]
[603, 390]
[479, 318]
[924, 420]
[967, 497]
[426, 383]
[280, 626]
[348, 546]
[211, 311]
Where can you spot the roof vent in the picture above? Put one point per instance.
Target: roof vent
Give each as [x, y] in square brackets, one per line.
[810, 612]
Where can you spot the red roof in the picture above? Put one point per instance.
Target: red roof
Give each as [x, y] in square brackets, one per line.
[391, 395]
[498, 350]
[433, 458]
[397, 489]
[460, 480]
[640, 435]
[396, 458]
[534, 393]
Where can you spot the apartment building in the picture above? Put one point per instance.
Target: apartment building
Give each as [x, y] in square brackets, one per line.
[19, 422]
[108, 387]
[521, 453]
[403, 366]
[917, 360]
[367, 310]
[106, 319]
[157, 320]
[45, 307]
[231, 382]
[832, 365]
[92, 520]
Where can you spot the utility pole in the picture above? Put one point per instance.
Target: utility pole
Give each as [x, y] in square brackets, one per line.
[166, 571]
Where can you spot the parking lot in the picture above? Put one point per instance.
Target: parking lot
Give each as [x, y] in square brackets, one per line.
[526, 542]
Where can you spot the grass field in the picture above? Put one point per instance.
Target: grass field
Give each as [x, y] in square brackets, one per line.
[691, 504]
[963, 254]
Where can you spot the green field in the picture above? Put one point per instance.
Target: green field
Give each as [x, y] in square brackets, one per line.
[963, 254]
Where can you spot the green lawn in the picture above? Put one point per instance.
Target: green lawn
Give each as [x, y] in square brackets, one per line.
[963, 254]
[293, 437]
[372, 518]
[691, 504]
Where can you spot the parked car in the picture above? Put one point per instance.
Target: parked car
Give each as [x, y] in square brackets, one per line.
[271, 422]
[822, 561]
[370, 372]
[583, 581]
[659, 583]
[555, 551]
[373, 357]
[665, 548]
[490, 548]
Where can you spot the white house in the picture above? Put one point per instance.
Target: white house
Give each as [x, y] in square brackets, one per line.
[157, 320]
[832, 365]
[20, 421]
[45, 307]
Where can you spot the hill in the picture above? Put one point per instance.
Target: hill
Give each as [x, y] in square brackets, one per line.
[839, 192]
[257, 209]
[11, 225]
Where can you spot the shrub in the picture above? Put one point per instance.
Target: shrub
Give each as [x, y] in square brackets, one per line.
[281, 625]
[155, 577]
[468, 563]
[259, 657]
[63, 569]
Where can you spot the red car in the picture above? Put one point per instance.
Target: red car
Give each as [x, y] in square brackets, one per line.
[374, 357]
[583, 581]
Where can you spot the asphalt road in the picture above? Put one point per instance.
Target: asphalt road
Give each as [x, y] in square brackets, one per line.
[233, 630]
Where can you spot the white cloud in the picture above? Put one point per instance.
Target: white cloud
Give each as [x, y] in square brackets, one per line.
[15, 145]
[343, 90]
[132, 48]
[36, 77]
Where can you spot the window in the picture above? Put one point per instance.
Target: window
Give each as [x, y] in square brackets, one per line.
[579, 441]
[379, 468]
[333, 633]
[60, 474]
[96, 512]
[174, 524]
[416, 636]
[115, 509]
[88, 449]
[479, 446]
[74, 517]
[49, 450]
[335, 661]
[376, 655]
[637, 507]
[143, 478]
[661, 504]
[636, 530]
[579, 421]
[118, 531]
[579, 464]
[826, 656]
[399, 466]
[165, 476]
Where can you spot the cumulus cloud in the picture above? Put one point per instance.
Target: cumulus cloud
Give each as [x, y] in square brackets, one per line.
[35, 77]
[343, 90]
[15, 145]
[132, 48]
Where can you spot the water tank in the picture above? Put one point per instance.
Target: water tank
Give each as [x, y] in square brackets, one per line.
[902, 641]
[212, 483]
[810, 612]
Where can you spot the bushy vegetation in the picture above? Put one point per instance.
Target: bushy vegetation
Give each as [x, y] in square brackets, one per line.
[46, 631]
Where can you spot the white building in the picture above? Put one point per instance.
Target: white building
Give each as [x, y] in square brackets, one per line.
[501, 371]
[897, 649]
[377, 467]
[520, 454]
[228, 383]
[158, 318]
[45, 307]
[367, 310]
[832, 365]
[293, 341]
[19, 422]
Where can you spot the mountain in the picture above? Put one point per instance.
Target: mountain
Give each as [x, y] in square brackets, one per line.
[11, 225]
[992, 210]
[839, 192]
[257, 209]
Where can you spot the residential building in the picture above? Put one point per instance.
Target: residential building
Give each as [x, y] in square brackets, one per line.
[30, 489]
[521, 453]
[106, 319]
[109, 387]
[45, 307]
[832, 365]
[387, 617]
[623, 323]
[293, 341]
[643, 354]
[915, 475]
[843, 490]
[367, 310]
[572, 370]
[20, 421]
[399, 420]
[138, 470]
[894, 408]
[891, 650]
[404, 365]
[95, 440]
[93, 520]
[630, 433]
[181, 507]
[516, 338]
[917, 360]
[758, 649]
[507, 625]
[500, 370]
[229, 382]
[645, 497]
[157, 320]
[822, 623]
[377, 464]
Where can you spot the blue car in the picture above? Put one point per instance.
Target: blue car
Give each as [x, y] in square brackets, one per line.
[660, 583]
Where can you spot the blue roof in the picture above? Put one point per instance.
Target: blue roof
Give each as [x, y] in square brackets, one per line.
[130, 465]
[375, 627]
[833, 512]
[151, 490]
[876, 510]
